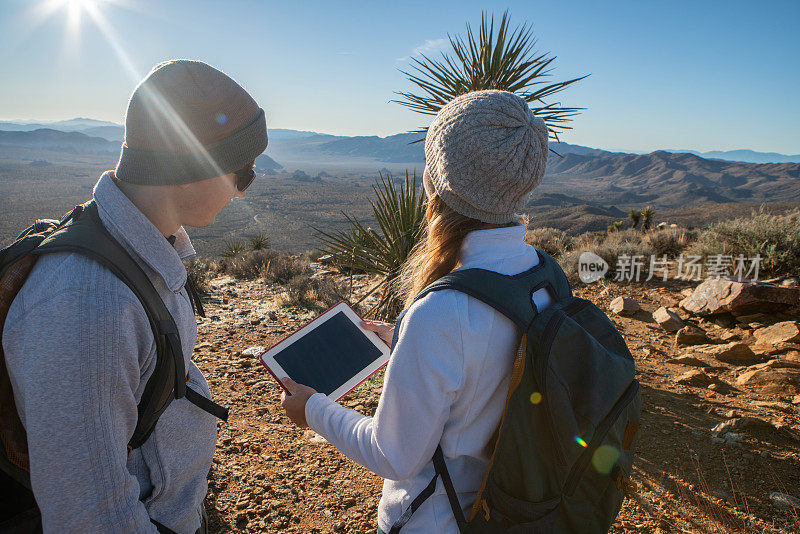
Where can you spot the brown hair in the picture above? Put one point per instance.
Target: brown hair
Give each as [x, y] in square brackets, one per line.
[438, 252]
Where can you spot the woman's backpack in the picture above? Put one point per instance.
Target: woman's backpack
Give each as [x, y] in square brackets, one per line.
[564, 448]
[81, 231]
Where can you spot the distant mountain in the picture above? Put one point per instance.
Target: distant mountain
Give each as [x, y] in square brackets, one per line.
[71, 125]
[111, 133]
[265, 163]
[56, 140]
[744, 156]
[673, 179]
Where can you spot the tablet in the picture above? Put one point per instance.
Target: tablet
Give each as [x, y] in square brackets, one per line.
[332, 354]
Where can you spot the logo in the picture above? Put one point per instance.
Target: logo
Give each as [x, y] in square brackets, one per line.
[591, 267]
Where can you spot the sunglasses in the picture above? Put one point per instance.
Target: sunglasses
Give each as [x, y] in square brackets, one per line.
[244, 177]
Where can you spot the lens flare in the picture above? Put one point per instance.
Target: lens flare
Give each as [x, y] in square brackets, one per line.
[536, 397]
[580, 442]
[221, 118]
[605, 458]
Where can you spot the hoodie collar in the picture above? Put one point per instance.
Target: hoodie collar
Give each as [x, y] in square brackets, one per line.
[138, 235]
[492, 247]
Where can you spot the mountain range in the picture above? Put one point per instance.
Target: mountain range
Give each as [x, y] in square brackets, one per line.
[576, 175]
[390, 149]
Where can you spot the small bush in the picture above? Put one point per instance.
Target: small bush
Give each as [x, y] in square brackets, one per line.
[200, 271]
[775, 237]
[669, 241]
[283, 267]
[233, 248]
[553, 241]
[312, 292]
[270, 264]
[259, 242]
[609, 247]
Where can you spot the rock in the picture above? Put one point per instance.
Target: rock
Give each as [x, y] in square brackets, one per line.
[784, 501]
[338, 527]
[752, 318]
[736, 353]
[775, 405]
[785, 332]
[687, 292]
[730, 335]
[253, 351]
[772, 381]
[668, 320]
[624, 306]
[722, 295]
[691, 335]
[796, 400]
[789, 282]
[695, 377]
[776, 364]
[740, 423]
[689, 360]
[776, 348]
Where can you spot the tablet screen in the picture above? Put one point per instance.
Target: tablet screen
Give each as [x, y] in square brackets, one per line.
[328, 356]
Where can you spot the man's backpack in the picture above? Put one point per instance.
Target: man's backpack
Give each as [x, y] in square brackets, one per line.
[564, 448]
[81, 231]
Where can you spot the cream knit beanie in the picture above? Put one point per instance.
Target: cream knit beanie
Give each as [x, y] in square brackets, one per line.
[484, 153]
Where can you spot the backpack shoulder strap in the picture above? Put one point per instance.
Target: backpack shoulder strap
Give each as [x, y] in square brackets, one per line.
[87, 235]
[510, 295]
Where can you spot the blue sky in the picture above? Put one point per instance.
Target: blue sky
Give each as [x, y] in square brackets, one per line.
[706, 75]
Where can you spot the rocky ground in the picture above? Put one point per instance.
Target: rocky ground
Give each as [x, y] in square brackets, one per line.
[718, 449]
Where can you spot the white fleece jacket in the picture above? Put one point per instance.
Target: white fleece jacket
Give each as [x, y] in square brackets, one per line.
[446, 383]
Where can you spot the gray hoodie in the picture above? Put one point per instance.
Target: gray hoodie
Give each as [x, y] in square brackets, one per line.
[79, 351]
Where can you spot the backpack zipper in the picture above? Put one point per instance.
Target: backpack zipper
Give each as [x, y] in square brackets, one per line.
[605, 425]
[548, 336]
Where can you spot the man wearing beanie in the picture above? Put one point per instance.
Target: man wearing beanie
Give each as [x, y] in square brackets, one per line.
[78, 344]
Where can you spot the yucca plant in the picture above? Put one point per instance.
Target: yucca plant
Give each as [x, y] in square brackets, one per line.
[259, 241]
[635, 216]
[233, 248]
[400, 214]
[647, 215]
[504, 60]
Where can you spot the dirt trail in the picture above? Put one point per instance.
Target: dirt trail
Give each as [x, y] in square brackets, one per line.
[269, 476]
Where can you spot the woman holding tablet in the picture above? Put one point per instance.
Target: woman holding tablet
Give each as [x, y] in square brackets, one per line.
[449, 370]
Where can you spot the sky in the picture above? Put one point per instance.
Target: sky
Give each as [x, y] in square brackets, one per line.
[702, 75]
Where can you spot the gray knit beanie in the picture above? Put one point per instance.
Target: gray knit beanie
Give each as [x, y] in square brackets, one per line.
[484, 153]
[186, 121]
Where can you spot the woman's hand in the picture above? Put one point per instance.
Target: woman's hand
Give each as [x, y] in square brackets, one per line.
[295, 404]
[385, 331]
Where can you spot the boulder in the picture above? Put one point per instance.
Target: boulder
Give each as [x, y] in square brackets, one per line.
[624, 306]
[785, 332]
[738, 424]
[691, 335]
[724, 295]
[735, 353]
[776, 348]
[781, 381]
[667, 319]
[784, 501]
[692, 361]
[695, 377]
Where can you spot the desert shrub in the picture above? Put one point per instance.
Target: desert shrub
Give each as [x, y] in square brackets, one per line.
[247, 265]
[669, 241]
[775, 237]
[552, 240]
[283, 267]
[609, 247]
[313, 255]
[233, 248]
[312, 292]
[259, 241]
[200, 271]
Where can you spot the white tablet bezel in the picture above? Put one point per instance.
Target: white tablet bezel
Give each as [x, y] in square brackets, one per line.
[268, 357]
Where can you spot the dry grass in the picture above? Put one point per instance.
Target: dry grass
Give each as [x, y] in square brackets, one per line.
[315, 293]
